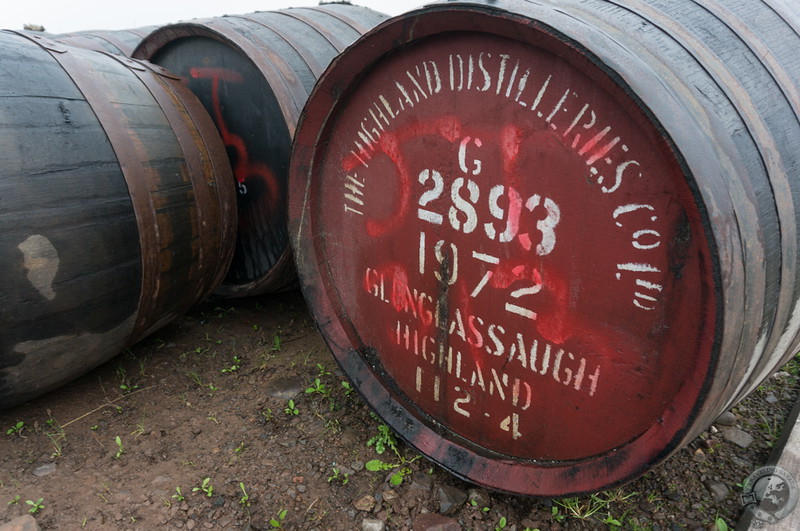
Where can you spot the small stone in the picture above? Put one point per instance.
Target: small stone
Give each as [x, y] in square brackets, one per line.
[736, 436]
[357, 466]
[371, 524]
[44, 470]
[450, 499]
[726, 419]
[23, 523]
[389, 495]
[365, 504]
[435, 522]
[421, 481]
[771, 399]
[285, 388]
[719, 491]
[190, 524]
[699, 455]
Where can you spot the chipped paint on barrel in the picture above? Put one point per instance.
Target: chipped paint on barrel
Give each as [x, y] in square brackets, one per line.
[505, 251]
[118, 211]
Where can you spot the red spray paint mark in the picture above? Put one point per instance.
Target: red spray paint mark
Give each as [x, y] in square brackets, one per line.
[242, 167]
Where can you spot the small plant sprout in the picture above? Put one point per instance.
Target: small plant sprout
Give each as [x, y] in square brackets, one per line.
[339, 476]
[240, 449]
[205, 487]
[322, 371]
[348, 389]
[501, 524]
[120, 449]
[276, 342]
[36, 506]
[14, 501]
[244, 501]
[291, 409]
[401, 471]
[178, 495]
[16, 429]
[277, 522]
[235, 364]
[318, 387]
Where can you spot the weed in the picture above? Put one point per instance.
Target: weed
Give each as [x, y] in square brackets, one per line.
[36, 506]
[178, 495]
[277, 522]
[16, 429]
[501, 524]
[348, 389]
[209, 340]
[339, 476]
[125, 383]
[244, 501]
[236, 363]
[205, 487]
[318, 387]
[195, 378]
[15, 501]
[773, 430]
[322, 371]
[276, 342]
[556, 514]
[720, 524]
[291, 409]
[240, 449]
[268, 416]
[383, 440]
[223, 312]
[120, 449]
[55, 440]
[582, 509]
[401, 469]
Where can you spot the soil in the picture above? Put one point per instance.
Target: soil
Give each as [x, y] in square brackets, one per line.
[203, 406]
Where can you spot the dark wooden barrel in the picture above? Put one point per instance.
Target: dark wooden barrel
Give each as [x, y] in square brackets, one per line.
[552, 241]
[121, 42]
[253, 73]
[117, 210]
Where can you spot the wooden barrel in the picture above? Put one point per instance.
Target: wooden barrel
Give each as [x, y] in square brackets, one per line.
[117, 210]
[121, 42]
[253, 73]
[551, 241]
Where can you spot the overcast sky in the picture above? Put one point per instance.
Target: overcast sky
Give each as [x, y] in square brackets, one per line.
[64, 16]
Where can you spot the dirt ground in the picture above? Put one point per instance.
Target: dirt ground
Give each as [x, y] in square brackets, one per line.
[236, 417]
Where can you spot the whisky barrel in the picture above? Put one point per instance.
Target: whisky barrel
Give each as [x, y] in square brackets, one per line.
[552, 241]
[253, 73]
[117, 210]
[121, 42]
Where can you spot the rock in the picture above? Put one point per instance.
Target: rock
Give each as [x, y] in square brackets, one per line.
[435, 522]
[699, 455]
[365, 504]
[771, 399]
[726, 419]
[719, 491]
[736, 436]
[421, 481]
[389, 495]
[22, 523]
[370, 524]
[450, 499]
[285, 388]
[44, 470]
